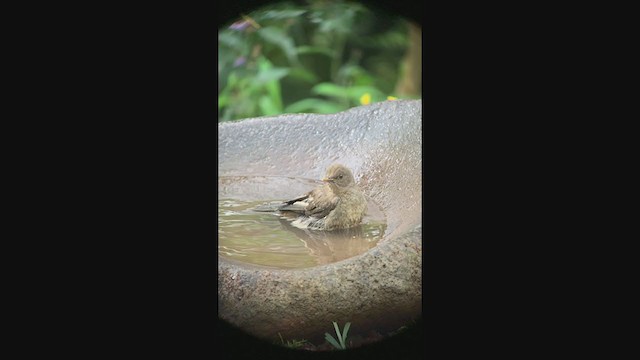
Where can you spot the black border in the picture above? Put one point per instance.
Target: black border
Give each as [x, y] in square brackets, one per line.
[116, 167]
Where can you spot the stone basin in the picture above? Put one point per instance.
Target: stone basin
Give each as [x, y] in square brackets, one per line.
[380, 289]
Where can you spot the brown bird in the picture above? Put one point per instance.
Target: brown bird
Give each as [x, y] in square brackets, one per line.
[337, 204]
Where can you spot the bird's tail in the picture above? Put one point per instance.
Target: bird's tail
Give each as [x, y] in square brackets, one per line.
[268, 207]
[296, 207]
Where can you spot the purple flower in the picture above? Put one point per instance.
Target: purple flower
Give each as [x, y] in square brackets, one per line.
[239, 61]
[240, 25]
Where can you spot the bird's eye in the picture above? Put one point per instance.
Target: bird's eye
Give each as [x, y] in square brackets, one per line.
[340, 177]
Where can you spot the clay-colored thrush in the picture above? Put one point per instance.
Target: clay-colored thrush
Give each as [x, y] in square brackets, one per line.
[337, 204]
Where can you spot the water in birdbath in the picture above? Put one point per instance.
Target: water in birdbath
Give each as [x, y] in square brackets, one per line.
[267, 239]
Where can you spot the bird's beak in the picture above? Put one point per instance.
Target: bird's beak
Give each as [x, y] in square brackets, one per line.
[326, 180]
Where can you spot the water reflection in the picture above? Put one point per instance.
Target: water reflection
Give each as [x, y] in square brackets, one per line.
[331, 246]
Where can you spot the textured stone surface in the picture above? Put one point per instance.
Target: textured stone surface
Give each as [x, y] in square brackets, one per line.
[380, 289]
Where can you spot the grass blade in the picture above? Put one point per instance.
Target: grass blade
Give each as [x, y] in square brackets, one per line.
[345, 331]
[332, 341]
[335, 325]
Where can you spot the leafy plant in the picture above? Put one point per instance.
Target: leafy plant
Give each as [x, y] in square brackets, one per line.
[293, 344]
[342, 337]
[398, 331]
[318, 56]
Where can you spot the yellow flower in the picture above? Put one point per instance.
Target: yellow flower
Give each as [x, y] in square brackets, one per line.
[365, 99]
[392, 98]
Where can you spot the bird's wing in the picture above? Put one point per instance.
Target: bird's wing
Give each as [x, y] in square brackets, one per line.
[301, 198]
[298, 205]
[317, 203]
[321, 204]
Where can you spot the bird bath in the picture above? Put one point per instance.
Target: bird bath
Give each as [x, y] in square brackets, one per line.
[380, 289]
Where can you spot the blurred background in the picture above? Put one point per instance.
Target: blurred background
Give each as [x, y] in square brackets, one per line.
[315, 56]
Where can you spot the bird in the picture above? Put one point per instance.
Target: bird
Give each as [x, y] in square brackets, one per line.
[337, 204]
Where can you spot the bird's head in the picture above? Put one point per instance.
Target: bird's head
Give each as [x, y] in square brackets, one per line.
[339, 175]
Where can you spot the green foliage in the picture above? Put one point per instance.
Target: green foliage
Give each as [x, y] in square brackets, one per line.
[342, 338]
[293, 344]
[294, 57]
